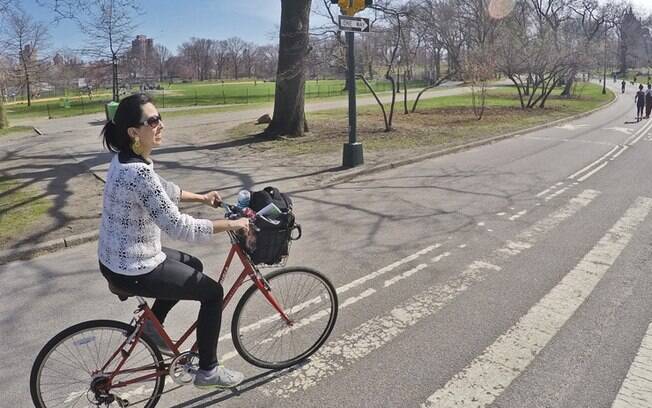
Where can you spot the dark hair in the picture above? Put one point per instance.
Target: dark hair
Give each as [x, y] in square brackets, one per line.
[129, 114]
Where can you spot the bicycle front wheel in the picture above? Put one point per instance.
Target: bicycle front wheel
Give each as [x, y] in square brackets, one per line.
[264, 338]
[74, 369]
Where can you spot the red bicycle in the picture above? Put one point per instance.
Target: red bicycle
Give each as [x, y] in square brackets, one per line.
[282, 318]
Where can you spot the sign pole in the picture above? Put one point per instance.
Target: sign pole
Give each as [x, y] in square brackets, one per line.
[352, 155]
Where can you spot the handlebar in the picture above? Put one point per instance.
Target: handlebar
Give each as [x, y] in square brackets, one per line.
[232, 212]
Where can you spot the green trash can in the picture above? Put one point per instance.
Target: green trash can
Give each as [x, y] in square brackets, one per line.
[110, 108]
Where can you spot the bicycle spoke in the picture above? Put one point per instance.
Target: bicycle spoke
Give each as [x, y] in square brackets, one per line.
[67, 371]
[271, 342]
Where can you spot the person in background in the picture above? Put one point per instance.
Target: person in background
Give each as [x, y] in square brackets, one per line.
[622, 86]
[640, 102]
[648, 101]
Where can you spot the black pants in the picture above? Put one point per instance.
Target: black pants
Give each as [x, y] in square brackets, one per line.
[648, 107]
[180, 277]
[639, 110]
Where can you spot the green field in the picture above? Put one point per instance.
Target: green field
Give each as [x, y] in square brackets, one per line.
[204, 93]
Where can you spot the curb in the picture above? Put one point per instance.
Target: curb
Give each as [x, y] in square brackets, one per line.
[342, 178]
[32, 251]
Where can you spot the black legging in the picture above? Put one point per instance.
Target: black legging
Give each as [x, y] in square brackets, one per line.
[180, 277]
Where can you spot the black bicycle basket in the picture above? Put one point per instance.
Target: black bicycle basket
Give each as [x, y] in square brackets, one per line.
[269, 243]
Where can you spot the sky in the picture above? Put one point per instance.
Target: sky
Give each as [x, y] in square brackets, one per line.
[171, 22]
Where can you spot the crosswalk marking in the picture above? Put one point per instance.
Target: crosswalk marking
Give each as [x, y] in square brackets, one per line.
[488, 375]
[636, 390]
[336, 355]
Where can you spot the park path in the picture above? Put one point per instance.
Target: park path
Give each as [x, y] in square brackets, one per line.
[67, 162]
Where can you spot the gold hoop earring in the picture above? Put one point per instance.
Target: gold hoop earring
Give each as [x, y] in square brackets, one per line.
[136, 147]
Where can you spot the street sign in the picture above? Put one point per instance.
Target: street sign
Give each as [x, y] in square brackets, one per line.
[354, 24]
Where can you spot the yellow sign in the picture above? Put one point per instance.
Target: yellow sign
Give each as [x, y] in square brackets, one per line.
[350, 7]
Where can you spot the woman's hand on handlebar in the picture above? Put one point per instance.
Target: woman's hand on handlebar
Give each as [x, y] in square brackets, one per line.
[240, 224]
[213, 199]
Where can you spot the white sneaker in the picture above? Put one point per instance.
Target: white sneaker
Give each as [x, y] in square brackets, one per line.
[218, 377]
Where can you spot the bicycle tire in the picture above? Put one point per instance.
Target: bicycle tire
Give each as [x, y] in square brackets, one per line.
[240, 326]
[86, 327]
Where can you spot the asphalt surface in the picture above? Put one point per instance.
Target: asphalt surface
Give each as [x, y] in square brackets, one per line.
[514, 275]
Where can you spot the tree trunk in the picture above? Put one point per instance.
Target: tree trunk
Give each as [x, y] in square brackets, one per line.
[4, 123]
[289, 116]
[569, 84]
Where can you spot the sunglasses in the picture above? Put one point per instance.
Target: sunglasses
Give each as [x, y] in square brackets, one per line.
[153, 121]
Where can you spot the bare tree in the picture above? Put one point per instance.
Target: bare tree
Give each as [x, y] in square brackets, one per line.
[248, 59]
[220, 57]
[199, 52]
[235, 47]
[162, 56]
[4, 6]
[289, 116]
[479, 67]
[266, 60]
[24, 39]
[107, 25]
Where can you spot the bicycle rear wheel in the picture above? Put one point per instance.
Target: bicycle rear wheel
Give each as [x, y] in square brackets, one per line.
[265, 339]
[68, 370]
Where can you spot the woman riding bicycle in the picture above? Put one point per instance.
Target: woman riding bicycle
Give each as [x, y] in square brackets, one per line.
[138, 204]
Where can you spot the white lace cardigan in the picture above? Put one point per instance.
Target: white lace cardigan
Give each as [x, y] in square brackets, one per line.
[138, 204]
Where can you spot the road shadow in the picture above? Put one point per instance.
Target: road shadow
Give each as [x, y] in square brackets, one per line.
[56, 176]
[249, 384]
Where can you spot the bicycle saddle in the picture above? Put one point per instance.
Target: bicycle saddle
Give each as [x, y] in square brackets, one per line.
[120, 293]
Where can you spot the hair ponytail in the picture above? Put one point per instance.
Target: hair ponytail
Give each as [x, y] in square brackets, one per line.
[109, 136]
[128, 114]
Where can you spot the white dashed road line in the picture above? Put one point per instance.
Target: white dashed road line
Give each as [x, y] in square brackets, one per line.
[636, 390]
[489, 374]
[592, 172]
[343, 288]
[359, 342]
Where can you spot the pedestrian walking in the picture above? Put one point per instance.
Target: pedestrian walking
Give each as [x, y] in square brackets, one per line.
[648, 101]
[640, 102]
[622, 86]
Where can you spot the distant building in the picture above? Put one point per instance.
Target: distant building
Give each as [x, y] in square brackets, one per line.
[142, 47]
[58, 59]
[142, 57]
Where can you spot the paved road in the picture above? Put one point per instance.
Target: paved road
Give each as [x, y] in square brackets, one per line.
[511, 275]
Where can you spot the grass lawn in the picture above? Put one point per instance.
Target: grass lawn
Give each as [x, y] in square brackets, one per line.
[19, 208]
[437, 122]
[188, 94]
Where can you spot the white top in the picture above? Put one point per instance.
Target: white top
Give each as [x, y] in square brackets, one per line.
[138, 204]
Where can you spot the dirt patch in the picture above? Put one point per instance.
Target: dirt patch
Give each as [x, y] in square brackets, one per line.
[430, 128]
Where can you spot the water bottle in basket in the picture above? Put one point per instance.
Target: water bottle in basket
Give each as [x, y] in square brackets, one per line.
[244, 197]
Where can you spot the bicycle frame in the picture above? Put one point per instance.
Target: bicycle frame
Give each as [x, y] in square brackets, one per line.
[145, 313]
